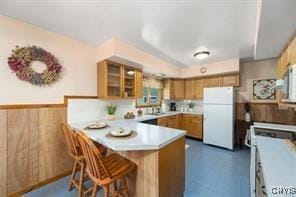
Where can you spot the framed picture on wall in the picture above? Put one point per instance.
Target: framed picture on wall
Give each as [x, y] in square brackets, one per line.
[262, 91]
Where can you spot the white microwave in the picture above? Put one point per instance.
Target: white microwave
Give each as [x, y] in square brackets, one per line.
[289, 90]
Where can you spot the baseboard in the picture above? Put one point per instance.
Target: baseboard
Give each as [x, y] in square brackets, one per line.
[40, 184]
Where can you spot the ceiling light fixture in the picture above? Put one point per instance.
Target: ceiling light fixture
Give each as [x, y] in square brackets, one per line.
[130, 72]
[201, 55]
[159, 75]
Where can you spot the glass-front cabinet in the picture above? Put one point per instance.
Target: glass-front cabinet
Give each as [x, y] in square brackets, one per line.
[113, 80]
[129, 81]
[118, 81]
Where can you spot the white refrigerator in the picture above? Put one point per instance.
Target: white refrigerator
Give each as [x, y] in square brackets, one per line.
[218, 125]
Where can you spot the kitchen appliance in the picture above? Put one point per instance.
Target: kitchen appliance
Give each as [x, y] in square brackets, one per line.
[173, 106]
[267, 130]
[218, 125]
[152, 121]
[289, 90]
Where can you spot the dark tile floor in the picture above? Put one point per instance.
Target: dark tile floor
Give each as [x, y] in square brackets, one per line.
[210, 172]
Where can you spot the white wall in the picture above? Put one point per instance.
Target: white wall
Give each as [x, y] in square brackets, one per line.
[79, 63]
[78, 60]
[87, 110]
[249, 71]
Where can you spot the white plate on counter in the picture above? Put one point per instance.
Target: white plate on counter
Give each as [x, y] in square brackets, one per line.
[121, 132]
[97, 125]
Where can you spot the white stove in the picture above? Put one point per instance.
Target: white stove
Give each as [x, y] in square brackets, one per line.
[268, 130]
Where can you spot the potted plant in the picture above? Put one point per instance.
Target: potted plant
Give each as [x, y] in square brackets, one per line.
[111, 109]
[191, 106]
[247, 108]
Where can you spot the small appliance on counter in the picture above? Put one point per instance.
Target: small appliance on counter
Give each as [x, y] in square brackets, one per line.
[173, 106]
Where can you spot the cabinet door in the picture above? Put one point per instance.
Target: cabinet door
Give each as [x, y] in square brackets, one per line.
[178, 88]
[198, 88]
[163, 122]
[139, 83]
[114, 80]
[229, 80]
[293, 52]
[129, 82]
[189, 89]
[195, 127]
[173, 122]
[286, 58]
[168, 89]
[212, 82]
[184, 122]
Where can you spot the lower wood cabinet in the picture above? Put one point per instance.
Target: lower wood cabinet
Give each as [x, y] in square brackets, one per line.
[169, 121]
[193, 124]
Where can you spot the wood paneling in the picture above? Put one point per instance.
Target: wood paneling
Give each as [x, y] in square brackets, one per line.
[34, 145]
[267, 112]
[46, 139]
[160, 173]
[18, 149]
[3, 151]
[61, 159]
[32, 148]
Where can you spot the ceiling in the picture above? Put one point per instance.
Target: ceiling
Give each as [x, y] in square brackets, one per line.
[277, 26]
[171, 30]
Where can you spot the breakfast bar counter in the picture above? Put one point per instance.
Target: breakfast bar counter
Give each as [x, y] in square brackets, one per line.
[158, 152]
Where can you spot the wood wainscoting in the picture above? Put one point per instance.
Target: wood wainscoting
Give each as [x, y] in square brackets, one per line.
[261, 112]
[267, 112]
[32, 146]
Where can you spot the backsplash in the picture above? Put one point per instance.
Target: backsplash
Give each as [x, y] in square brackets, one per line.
[184, 104]
[86, 110]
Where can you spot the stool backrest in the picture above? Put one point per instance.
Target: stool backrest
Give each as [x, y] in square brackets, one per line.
[71, 139]
[94, 159]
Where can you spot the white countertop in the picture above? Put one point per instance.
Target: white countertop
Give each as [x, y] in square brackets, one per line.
[278, 159]
[171, 113]
[149, 137]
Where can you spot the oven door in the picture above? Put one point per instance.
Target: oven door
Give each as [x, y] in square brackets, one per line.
[253, 172]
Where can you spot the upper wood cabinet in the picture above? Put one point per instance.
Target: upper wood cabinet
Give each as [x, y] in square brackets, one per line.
[194, 88]
[230, 80]
[286, 58]
[212, 82]
[179, 88]
[198, 88]
[118, 81]
[189, 89]
[174, 89]
[293, 51]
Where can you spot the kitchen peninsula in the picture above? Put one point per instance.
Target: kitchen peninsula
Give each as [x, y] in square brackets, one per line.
[158, 152]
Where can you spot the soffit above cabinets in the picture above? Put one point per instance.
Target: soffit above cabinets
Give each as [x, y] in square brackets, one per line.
[276, 26]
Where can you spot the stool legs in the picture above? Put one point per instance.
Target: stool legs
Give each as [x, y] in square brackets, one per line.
[72, 178]
[80, 186]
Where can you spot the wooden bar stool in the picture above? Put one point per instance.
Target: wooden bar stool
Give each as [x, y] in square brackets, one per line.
[76, 153]
[105, 171]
